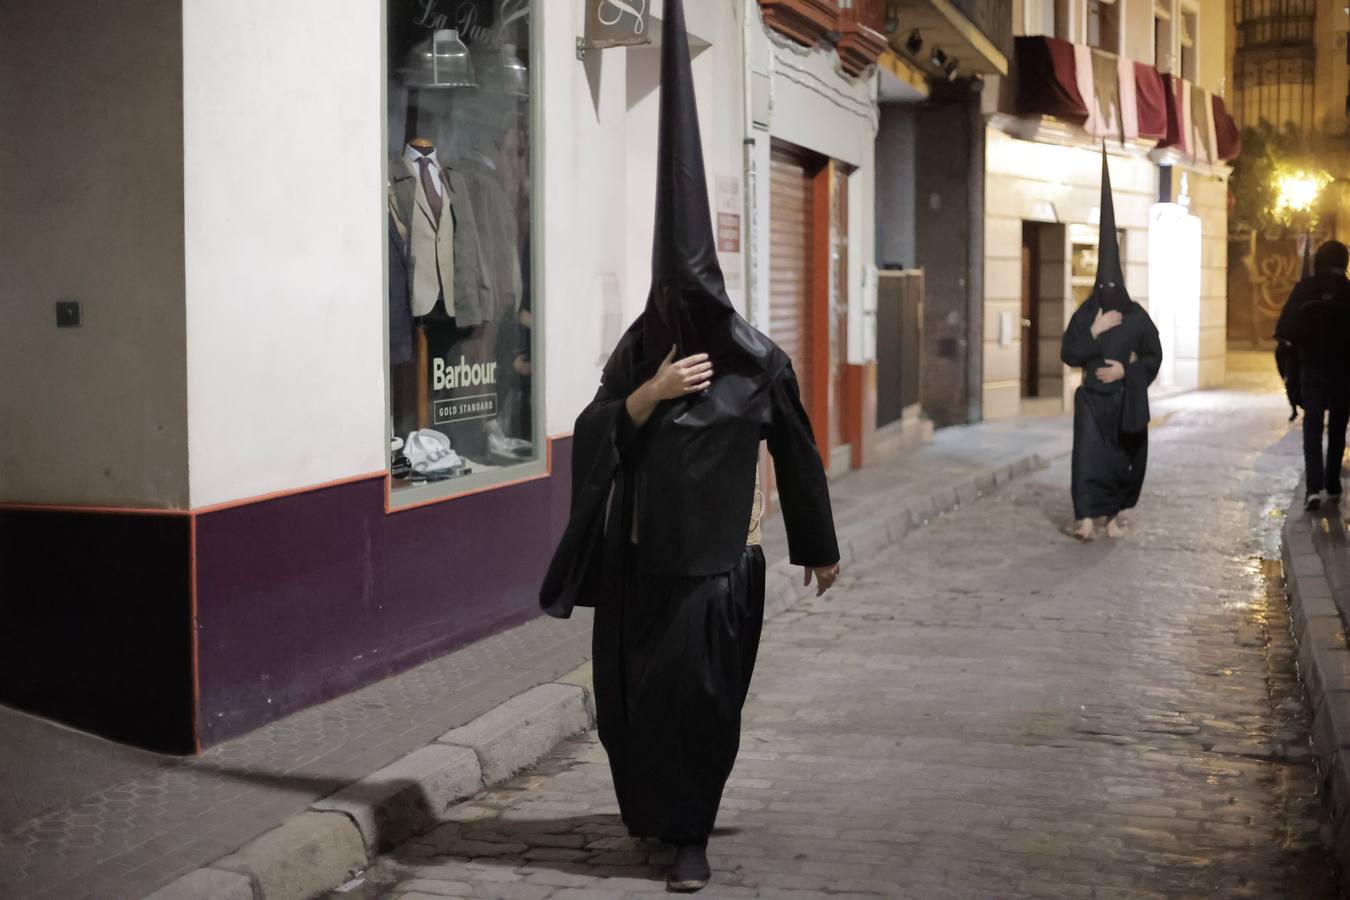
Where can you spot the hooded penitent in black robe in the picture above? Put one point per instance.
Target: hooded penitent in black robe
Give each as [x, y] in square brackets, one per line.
[657, 534]
[1110, 421]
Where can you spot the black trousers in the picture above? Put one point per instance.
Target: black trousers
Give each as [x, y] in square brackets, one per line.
[1326, 400]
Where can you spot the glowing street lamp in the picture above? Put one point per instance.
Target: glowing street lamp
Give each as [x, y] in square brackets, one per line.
[1296, 192]
[1296, 195]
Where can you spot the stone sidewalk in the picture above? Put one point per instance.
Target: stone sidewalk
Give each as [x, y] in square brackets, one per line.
[1316, 556]
[986, 709]
[135, 836]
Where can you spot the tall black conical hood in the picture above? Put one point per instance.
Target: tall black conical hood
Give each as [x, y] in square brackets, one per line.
[1110, 284]
[684, 250]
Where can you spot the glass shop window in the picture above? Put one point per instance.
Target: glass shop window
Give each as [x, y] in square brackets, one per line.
[462, 375]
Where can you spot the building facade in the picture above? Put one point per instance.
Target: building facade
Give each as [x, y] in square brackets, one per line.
[334, 289]
[1289, 77]
[1144, 80]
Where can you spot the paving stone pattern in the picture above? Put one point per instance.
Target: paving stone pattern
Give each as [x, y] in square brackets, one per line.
[129, 839]
[988, 709]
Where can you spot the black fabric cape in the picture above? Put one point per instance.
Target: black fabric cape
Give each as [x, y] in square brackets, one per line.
[656, 535]
[1110, 421]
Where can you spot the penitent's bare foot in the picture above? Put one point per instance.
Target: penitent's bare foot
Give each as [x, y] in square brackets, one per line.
[1113, 529]
[1085, 530]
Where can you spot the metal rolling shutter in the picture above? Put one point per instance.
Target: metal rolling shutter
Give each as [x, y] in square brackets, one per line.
[790, 261]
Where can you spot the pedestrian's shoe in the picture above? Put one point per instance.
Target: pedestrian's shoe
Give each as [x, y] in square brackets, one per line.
[690, 872]
[1313, 503]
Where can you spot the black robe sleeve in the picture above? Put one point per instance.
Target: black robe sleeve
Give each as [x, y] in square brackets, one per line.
[800, 475]
[1286, 325]
[1078, 347]
[1139, 374]
[603, 435]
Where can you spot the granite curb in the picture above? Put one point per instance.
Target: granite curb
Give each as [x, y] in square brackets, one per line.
[1319, 630]
[319, 849]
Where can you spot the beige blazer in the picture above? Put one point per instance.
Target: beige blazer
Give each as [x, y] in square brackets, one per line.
[431, 243]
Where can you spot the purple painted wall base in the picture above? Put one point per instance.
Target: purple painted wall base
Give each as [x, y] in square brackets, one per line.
[299, 599]
[304, 598]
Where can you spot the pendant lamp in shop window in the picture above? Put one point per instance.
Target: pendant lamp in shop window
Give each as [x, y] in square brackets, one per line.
[515, 75]
[439, 62]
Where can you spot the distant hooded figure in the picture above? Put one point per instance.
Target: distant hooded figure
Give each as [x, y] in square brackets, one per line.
[662, 536]
[1113, 340]
[1315, 326]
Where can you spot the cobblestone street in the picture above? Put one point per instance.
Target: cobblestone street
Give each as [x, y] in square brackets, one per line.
[989, 709]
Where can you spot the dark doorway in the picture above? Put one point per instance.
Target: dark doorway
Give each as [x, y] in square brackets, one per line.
[1030, 313]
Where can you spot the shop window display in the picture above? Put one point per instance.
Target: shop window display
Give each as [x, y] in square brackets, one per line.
[461, 336]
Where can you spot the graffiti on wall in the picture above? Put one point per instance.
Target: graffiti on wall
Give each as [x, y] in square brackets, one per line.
[1261, 273]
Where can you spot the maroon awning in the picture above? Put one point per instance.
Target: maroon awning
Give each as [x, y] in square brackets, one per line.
[1151, 101]
[1228, 138]
[1047, 84]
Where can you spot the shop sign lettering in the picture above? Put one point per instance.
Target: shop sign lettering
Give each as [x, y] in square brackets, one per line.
[463, 375]
[465, 18]
[462, 409]
[617, 23]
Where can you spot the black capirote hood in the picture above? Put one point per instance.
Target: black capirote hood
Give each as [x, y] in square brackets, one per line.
[687, 303]
[1109, 289]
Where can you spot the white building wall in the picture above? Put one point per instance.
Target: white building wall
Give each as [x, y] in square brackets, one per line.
[599, 184]
[1206, 362]
[285, 233]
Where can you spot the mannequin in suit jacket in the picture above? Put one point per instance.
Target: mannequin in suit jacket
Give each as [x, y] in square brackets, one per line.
[445, 253]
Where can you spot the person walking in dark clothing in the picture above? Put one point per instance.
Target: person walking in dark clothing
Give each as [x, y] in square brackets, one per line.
[1315, 322]
[1113, 340]
[663, 534]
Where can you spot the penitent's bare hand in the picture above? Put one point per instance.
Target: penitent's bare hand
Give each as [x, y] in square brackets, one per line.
[1112, 371]
[1105, 321]
[680, 377]
[825, 577]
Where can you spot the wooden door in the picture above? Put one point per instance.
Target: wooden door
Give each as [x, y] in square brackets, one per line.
[1030, 312]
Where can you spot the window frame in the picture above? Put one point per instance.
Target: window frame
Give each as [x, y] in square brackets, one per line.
[416, 496]
[1118, 10]
[1188, 18]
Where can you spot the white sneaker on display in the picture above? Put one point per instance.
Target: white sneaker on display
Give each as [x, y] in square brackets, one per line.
[430, 453]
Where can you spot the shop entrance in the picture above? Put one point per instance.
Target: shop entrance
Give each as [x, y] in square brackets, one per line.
[1047, 302]
[1030, 313]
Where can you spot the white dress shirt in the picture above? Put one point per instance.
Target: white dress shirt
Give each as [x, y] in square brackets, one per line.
[412, 155]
